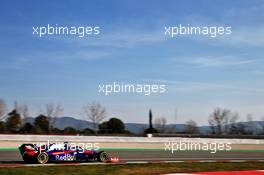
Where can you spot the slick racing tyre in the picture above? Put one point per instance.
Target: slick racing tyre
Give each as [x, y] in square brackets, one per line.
[103, 157]
[42, 158]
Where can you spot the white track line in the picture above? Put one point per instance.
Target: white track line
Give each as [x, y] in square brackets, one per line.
[173, 161]
[138, 162]
[95, 163]
[49, 164]
[207, 161]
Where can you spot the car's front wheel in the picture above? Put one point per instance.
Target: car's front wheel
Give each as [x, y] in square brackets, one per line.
[103, 157]
[42, 158]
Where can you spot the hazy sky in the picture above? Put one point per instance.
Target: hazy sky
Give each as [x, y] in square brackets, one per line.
[201, 73]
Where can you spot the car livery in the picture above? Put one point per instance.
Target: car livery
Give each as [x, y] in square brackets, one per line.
[31, 153]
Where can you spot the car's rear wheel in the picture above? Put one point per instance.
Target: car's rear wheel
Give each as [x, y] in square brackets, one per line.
[103, 157]
[42, 158]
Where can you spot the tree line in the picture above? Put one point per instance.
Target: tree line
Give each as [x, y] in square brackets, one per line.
[17, 120]
[220, 122]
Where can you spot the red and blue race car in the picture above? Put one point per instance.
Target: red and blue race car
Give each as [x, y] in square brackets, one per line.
[31, 153]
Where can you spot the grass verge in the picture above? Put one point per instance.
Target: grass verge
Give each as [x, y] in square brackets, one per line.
[129, 169]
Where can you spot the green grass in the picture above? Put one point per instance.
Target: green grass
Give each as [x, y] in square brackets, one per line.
[129, 169]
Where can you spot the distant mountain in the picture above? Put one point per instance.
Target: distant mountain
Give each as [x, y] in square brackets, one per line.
[136, 127]
[63, 122]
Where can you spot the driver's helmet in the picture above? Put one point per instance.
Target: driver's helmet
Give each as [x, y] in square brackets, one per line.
[66, 146]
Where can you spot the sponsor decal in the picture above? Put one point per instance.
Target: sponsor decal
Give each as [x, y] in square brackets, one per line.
[65, 157]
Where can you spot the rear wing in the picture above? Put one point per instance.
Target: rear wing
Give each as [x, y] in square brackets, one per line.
[27, 147]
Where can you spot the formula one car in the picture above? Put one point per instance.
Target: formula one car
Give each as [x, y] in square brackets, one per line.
[31, 153]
